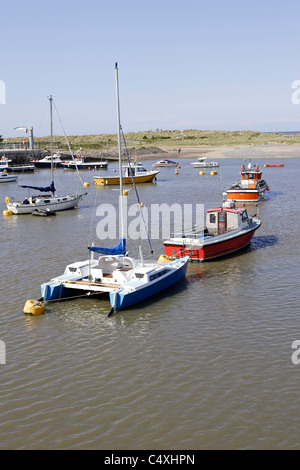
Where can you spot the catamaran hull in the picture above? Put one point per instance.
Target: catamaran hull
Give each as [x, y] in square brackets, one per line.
[124, 298]
[211, 251]
[70, 203]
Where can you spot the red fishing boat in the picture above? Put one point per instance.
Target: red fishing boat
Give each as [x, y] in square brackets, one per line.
[250, 188]
[228, 229]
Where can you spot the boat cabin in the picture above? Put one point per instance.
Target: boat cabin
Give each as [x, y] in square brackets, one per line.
[222, 220]
[250, 176]
[4, 163]
[137, 169]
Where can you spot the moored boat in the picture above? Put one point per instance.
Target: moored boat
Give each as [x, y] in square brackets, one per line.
[126, 280]
[46, 162]
[250, 188]
[7, 178]
[274, 164]
[50, 200]
[228, 229]
[23, 167]
[79, 163]
[203, 163]
[164, 163]
[139, 174]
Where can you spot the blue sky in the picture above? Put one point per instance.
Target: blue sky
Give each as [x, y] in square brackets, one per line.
[193, 64]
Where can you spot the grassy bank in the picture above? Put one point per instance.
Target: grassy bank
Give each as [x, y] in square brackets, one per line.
[171, 139]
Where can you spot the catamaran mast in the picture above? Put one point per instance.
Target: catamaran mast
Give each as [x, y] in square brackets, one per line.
[120, 155]
[51, 137]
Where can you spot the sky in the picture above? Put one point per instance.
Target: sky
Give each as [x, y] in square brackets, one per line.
[193, 64]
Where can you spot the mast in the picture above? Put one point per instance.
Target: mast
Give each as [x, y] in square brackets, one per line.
[51, 132]
[120, 154]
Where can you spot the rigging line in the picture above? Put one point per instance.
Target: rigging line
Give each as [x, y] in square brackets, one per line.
[137, 196]
[67, 142]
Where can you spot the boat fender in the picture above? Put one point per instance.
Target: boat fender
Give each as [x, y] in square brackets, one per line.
[7, 200]
[86, 184]
[213, 172]
[33, 307]
[165, 258]
[201, 173]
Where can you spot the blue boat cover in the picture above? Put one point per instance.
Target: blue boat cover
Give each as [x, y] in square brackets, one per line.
[42, 189]
[120, 249]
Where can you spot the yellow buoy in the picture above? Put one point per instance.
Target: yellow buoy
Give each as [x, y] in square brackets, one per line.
[7, 200]
[201, 173]
[86, 184]
[176, 172]
[125, 192]
[33, 307]
[7, 212]
[213, 172]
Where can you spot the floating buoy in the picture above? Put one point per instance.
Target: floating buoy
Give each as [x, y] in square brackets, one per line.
[7, 200]
[176, 172]
[86, 184]
[201, 173]
[33, 307]
[178, 166]
[7, 212]
[165, 258]
[125, 192]
[213, 172]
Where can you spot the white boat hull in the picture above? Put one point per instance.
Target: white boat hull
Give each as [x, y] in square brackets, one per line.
[54, 204]
[5, 178]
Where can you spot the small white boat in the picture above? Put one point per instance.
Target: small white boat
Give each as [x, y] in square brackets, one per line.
[46, 161]
[164, 163]
[7, 178]
[203, 163]
[50, 200]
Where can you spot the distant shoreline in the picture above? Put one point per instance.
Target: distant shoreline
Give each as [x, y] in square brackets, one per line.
[267, 151]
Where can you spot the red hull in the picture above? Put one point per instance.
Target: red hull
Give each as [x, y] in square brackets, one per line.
[211, 251]
[275, 164]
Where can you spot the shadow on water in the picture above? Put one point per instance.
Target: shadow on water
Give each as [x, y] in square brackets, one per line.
[264, 241]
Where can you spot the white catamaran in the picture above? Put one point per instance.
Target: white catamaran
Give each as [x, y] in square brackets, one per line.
[51, 200]
[127, 280]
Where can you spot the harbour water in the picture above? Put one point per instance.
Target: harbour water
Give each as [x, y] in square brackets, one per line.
[207, 365]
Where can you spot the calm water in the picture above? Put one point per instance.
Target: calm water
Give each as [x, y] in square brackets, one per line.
[207, 366]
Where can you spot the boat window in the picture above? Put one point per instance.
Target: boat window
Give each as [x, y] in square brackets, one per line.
[173, 252]
[139, 275]
[212, 218]
[152, 277]
[46, 201]
[192, 253]
[73, 270]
